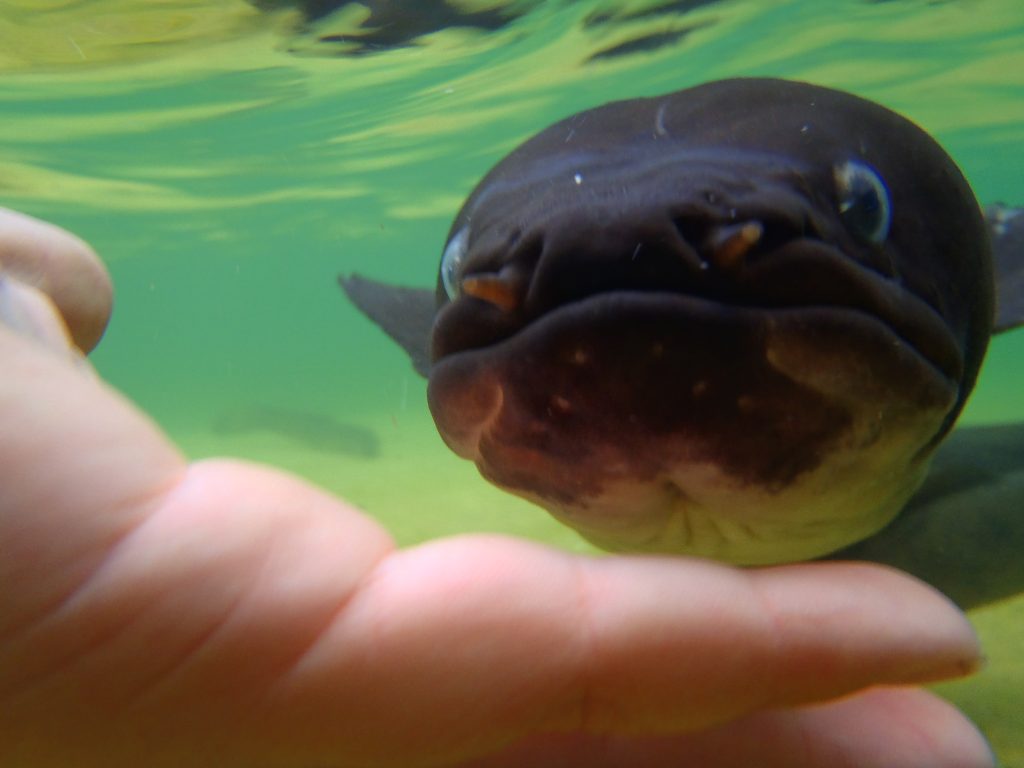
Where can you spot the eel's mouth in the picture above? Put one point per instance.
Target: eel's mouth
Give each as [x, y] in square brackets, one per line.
[632, 386]
[755, 265]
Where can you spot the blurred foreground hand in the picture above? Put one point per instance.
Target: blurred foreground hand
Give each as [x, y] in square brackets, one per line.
[155, 612]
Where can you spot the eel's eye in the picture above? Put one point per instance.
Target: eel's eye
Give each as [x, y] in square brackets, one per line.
[451, 263]
[864, 204]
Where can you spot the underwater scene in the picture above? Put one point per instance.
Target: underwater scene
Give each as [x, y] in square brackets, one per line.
[230, 159]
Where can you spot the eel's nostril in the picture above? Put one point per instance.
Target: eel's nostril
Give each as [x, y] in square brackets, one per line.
[727, 245]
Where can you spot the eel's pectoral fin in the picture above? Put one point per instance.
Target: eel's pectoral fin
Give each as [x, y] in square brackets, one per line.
[405, 314]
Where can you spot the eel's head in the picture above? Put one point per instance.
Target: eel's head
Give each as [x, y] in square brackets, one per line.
[733, 349]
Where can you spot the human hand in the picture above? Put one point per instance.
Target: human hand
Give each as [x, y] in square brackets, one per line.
[159, 613]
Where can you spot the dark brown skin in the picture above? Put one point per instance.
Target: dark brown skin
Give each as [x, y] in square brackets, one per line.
[733, 321]
[641, 338]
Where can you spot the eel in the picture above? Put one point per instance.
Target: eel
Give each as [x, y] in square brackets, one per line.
[734, 321]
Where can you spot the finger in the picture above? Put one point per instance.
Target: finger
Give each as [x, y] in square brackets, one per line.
[881, 728]
[78, 464]
[249, 620]
[31, 313]
[61, 266]
[475, 641]
[121, 564]
[246, 617]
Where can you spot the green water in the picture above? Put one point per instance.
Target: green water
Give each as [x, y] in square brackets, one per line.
[228, 166]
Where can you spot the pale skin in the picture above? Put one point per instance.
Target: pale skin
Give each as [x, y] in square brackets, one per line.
[156, 612]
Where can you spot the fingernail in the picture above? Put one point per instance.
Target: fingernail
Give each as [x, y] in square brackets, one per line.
[29, 313]
[12, 314]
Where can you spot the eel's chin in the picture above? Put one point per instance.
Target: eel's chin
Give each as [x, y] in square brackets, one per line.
[662, 422]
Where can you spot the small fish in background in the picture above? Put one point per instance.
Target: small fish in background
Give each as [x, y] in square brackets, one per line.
[735, 321]
[317, 431]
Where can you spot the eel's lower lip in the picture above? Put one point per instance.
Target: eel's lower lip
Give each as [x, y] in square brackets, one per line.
[759, 393]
